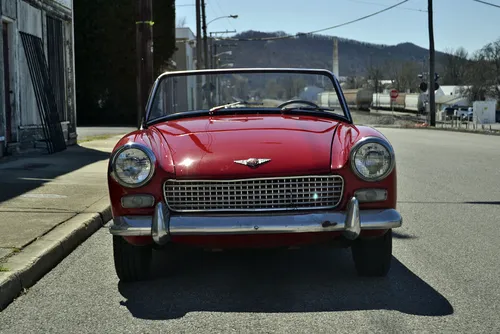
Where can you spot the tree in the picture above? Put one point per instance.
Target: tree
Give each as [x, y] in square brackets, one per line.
[163, 34]
[181, 23]
[491, 54]
[405, 75]
[105, 57]
[483, 73]
[355, 82]
[375, 75]
[454, 64]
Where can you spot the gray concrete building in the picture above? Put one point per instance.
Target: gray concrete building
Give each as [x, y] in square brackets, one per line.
[37, 80]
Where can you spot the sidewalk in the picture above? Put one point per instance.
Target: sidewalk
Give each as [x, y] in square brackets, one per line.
[48, 206]
[494, 130]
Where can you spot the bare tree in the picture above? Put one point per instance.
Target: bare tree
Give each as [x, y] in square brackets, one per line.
[455, 66]
[181, 22]
[491, 53]
[483, 73]
[375, 75]
[355, 82]
[405, 76]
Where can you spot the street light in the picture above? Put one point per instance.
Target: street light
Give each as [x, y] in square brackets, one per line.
[224, 53]
[223, 17]
[215, 58]
[205, 42]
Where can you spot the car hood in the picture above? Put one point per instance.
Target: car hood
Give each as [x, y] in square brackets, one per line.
[208, 147]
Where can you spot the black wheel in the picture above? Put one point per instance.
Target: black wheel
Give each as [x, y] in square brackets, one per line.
[132, 263]
[372, 257]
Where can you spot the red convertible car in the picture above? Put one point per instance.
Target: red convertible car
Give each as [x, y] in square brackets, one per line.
[251, 158]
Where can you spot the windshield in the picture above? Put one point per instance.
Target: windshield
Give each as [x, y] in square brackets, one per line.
[185, 92]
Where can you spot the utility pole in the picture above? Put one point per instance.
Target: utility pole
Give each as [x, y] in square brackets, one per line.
[336, 57]
[205, 42]
[432, 71]
[199, 96]
[144, 46]
[213, 45]
[198, 35]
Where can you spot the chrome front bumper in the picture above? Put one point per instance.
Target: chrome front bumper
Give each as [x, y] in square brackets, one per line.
[163, 224]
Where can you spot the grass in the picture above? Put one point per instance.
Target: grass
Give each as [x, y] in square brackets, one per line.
[3, 269]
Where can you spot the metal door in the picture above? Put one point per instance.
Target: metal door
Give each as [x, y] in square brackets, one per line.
[6, 78]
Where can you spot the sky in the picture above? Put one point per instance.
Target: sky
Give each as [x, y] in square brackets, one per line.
[457, 23]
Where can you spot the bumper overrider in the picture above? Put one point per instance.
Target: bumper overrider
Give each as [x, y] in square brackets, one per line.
[164, 223]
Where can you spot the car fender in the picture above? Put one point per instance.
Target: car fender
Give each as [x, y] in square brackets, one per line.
[164, 168]
[344, 139]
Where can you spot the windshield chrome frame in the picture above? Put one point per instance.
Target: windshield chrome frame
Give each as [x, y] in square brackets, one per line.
[327, 73]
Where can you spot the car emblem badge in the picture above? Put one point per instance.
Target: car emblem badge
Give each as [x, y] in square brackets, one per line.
[252, 162]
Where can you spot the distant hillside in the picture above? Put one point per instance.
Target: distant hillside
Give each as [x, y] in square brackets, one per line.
[316, 52]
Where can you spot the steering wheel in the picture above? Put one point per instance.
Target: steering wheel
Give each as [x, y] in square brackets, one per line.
[312, 104]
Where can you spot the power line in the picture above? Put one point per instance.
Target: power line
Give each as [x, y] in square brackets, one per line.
[487, 3]
[224, 14]
[360, 19]
[379, 4]
[319, 30]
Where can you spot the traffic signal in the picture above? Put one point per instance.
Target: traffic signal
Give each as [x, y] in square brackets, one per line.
[424, 85]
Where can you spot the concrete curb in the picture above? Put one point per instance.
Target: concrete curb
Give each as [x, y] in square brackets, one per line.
[37, 259]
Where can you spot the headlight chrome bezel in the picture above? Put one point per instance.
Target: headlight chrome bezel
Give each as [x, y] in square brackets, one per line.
[132, 145]
[369, 140]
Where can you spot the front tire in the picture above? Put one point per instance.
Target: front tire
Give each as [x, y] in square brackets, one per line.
[132, 263]
[372, 257]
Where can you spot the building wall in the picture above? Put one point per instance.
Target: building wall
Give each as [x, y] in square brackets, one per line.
[30, 16]
[191, 81]
[9, 8]
[180, 56]
[29, 21]
[2, 90]
[8, 14]
[184, 58]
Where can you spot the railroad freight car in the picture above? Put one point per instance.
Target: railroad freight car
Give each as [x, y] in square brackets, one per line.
[381, 101]
[412, 102]
[360, 99]
[404, 102]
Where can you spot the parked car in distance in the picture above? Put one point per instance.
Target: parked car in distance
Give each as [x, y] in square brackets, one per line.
[236, 163]
[468, 116]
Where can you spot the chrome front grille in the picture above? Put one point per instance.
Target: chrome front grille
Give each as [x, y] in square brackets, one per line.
[262, 194]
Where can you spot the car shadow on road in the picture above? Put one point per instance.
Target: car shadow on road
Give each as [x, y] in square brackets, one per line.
[401, 235]
[453, 202]
[307, 280]
[26, 173]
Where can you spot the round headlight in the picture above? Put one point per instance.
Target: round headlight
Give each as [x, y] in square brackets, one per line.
[372, 159]
[133, 165]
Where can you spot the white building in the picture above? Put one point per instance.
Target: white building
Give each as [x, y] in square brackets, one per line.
[185, 59]
[449, 96]
[37, 81]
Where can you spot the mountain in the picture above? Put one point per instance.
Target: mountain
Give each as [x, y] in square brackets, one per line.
[316, 51]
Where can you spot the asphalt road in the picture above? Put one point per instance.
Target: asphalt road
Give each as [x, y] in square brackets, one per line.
[445, 275]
